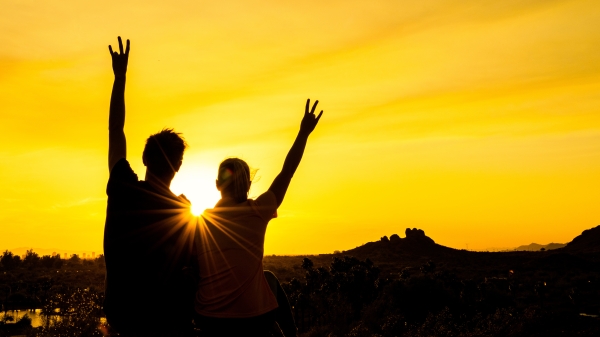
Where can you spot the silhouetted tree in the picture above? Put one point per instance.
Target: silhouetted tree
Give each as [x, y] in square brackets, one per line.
[46, 261]
[9, 260]
[58, 262]
[31, 260]
[100, 263]
[74, 260]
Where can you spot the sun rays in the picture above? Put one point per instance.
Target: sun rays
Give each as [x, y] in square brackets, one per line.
[197, 183]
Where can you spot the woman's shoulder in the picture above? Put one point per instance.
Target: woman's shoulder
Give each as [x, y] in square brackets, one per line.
[265, 199]
[265, 205]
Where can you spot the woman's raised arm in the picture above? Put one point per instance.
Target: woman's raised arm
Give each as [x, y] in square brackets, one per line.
[292, 160]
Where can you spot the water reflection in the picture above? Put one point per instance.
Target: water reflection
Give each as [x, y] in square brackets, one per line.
[13, 316]
[37, 318]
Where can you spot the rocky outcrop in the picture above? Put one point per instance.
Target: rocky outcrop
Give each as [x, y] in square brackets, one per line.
[414, 237]
[415, 241]
[418, 235]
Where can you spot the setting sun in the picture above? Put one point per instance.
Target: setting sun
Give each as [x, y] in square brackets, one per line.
[197, 183]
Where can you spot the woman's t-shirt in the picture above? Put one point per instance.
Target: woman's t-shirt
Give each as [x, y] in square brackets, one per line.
[230, 252]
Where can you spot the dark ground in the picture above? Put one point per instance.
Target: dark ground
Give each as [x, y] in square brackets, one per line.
[393, 287]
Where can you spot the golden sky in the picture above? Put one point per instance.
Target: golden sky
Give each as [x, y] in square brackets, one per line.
[477, 121]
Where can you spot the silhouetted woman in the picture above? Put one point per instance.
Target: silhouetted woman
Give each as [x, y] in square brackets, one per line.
[234, 298]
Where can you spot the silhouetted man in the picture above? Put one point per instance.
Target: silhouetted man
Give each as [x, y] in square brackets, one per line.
[147, 236]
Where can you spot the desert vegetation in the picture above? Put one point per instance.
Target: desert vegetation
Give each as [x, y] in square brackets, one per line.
[349, 298]
[394, 287]
[68, 292]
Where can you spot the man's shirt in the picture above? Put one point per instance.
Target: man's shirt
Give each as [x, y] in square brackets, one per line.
[148, 240]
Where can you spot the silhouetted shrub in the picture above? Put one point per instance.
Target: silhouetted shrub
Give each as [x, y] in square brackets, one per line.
[333, 297]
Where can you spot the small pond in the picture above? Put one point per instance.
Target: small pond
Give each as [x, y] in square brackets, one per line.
[37, 319]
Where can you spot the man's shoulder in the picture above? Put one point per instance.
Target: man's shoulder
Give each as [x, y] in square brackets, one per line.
[121, 177]
[122, 169]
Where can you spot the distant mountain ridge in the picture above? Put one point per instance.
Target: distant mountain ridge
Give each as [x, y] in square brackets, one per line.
[537, 247]
[417, 243]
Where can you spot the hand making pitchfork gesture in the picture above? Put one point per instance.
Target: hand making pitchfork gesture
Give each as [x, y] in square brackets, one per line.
[119, 60]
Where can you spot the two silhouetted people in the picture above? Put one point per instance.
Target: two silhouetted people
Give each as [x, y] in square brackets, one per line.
[150, 238]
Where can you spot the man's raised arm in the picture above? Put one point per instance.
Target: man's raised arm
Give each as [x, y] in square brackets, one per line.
[117, 145]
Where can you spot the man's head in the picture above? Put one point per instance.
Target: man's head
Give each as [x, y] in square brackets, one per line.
[163, 153]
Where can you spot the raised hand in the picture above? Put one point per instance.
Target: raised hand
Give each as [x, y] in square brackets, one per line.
[119, 60]
[292, 160]
[310, 120]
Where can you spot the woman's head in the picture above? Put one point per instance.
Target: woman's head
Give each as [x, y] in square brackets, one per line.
[234, 179]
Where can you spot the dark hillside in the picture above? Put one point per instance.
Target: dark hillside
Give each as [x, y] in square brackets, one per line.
[415, 250]
[587, 242]
[414, 287]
